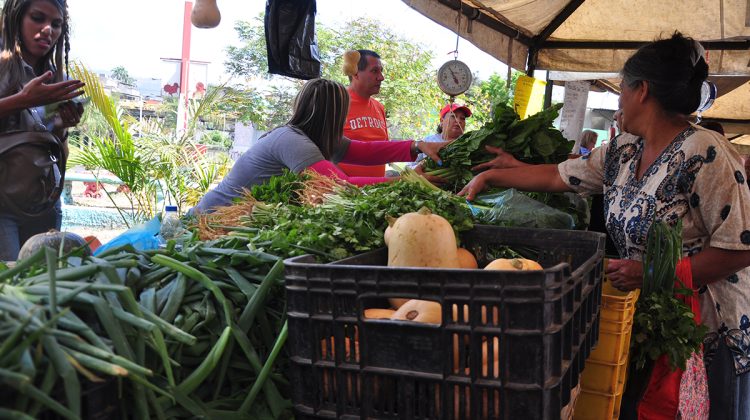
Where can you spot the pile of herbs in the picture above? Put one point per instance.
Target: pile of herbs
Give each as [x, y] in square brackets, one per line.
[283, 188]
[663, 324]
[531, 140]
[348, 222]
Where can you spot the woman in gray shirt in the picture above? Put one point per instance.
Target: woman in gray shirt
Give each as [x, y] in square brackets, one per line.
[312, 139]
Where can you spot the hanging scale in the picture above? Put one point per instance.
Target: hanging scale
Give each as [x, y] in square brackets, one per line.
[454, 77]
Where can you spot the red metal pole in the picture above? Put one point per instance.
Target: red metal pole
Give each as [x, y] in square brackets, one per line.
[185, 65]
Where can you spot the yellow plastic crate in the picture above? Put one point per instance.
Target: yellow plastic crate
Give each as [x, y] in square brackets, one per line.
[596, 405]
[617, 306]
[603, 376]
[593, 405]
[614, 342]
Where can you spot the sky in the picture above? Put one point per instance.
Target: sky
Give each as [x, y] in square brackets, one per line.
[136, 34]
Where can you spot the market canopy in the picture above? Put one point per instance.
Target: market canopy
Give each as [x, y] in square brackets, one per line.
[594, 35]
[597, 36]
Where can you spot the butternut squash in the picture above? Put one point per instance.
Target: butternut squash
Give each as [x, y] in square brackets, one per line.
[485, 413]
[421, 239]
[388, 230]
[205, 14]
[494, 373]
[328, 352]
[328, 349]
[466, 259]
[519, 264]
[351, 61]
[377, 313]
[425, 311]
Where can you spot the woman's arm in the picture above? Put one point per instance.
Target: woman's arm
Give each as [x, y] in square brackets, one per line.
[38, 93]
[708, 266]
[328, 169]
[380, 152]
[714, 264]
[538, 178]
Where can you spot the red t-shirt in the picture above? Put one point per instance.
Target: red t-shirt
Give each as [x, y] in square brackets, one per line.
[365, 122]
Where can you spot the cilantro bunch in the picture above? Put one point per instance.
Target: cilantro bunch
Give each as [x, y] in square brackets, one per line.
[283, 188]
[662, 323]
[350, 222]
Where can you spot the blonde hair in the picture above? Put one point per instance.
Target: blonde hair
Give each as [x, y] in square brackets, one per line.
[588, 139]
[320, 110]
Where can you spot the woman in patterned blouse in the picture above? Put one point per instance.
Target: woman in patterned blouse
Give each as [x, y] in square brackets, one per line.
[665, 168]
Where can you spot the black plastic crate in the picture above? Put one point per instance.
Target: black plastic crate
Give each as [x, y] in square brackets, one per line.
[346, 366]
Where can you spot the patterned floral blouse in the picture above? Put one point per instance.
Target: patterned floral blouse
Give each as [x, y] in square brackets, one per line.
[698, 178]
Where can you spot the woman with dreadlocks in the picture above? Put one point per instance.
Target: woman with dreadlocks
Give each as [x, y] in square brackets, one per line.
[34, 54]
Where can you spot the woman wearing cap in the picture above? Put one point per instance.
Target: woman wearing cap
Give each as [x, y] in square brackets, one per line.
[35, 43]
[451, 126]
[312, 139]
[663, 168]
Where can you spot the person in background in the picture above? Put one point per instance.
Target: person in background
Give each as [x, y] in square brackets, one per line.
[588, 142]
[34, 52]
[451, 126]
[616, 128]
[663, 168]
[312, 139]
[366, 120]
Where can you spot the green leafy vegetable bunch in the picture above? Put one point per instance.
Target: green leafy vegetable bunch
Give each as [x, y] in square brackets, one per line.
[663, 324]
[351, 221]
[532, 140]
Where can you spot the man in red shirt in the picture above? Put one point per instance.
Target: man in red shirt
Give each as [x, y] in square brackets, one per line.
[366, 118]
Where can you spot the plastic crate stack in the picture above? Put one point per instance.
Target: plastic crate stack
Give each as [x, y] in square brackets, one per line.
[603, 379]
[511, 344]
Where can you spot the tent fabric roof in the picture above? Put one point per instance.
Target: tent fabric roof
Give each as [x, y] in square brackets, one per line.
[598, 36]
[594, 35]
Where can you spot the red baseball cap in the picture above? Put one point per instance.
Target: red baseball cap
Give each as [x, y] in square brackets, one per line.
[454, 108]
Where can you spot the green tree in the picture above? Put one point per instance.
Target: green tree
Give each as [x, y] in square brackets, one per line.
[484, 93]
[121, 74]
[410, 94]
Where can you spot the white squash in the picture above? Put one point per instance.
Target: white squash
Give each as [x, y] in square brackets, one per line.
[421, 239]
[425, 311]
[351, 61]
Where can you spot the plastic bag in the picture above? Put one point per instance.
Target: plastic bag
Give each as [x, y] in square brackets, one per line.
[290, 38]
[511, 208]
[141, 237]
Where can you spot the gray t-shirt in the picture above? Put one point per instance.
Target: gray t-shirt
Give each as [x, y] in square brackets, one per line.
[283, 147]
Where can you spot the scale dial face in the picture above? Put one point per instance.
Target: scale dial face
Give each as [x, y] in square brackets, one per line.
[454, 77]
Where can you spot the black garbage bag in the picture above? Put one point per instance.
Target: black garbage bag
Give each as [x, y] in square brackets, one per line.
[290, 38]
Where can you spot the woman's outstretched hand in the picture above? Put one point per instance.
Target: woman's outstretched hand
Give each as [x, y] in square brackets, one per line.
[431, 149]
[503, 160]
[474, 187]
[38, 93]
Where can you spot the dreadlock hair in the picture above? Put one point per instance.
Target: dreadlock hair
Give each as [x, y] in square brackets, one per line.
[11, 58]
[320, 110]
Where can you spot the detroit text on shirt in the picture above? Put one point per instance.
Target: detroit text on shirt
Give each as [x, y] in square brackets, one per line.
[365, 122]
